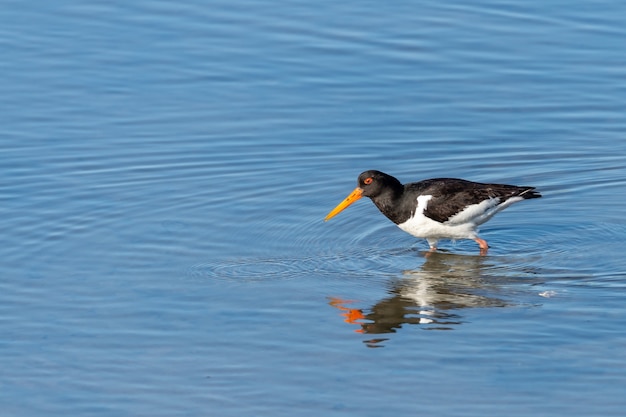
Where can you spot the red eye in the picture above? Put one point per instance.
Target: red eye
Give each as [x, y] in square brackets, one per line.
[368, 181]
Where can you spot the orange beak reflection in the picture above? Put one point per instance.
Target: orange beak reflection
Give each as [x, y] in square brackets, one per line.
[354, 196]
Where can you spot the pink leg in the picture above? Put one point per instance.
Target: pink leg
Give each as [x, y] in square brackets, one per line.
[483, 245]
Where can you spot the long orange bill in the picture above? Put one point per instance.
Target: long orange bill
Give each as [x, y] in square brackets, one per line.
[354, 196]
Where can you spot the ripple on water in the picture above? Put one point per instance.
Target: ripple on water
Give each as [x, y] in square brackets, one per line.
[549, 253]
[355, 263]
[566, 252]
[252, 269]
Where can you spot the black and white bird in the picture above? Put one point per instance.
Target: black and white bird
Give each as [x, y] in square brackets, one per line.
[438, 208]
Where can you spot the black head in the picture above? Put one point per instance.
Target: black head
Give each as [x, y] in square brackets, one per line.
[374, 183]
[378, 186]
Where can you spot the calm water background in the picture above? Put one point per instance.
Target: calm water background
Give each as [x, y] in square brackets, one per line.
[166, 168]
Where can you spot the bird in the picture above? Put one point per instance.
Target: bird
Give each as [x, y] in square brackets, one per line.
[437, 208]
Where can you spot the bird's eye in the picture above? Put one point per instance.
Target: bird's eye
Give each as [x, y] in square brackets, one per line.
[368, 181]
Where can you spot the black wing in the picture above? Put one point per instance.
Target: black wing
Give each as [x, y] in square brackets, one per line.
[451, 195]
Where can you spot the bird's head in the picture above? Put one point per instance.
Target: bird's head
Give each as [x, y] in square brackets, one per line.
[371, 184]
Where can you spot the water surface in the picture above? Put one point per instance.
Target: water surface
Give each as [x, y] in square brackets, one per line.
[166, 169]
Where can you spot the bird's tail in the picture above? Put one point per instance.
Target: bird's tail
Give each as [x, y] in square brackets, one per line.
[529, 193]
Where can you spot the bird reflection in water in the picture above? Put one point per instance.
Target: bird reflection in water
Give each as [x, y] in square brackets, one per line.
[431, 296]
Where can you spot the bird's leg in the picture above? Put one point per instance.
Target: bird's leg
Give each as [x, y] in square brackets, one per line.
[482, 244]
[432, 247]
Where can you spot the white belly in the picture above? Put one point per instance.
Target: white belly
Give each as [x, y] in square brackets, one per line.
[424, 227]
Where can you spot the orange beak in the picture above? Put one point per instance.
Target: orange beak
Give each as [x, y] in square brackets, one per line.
[354, 196]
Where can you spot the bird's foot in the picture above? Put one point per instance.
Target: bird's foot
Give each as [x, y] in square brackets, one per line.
[431, 250]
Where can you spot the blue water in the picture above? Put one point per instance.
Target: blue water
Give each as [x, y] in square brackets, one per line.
[166, 169]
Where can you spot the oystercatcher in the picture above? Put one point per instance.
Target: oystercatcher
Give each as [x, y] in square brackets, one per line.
[438, 208]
